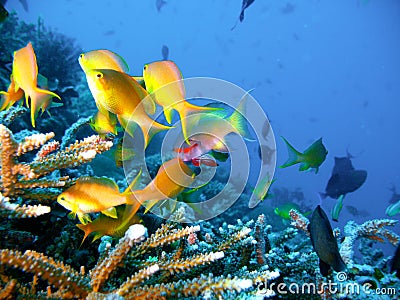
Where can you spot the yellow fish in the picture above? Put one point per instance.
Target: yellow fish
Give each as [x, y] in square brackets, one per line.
[25, 74]
[104, 225]
[119, 94]
[171, 179]
[95, 194]
[106, 59]
[158, 77]
[102, 59]
[104, 124]
[11, 96]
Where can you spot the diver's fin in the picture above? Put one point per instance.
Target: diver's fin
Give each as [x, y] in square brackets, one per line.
[110, 212]
[294, 155]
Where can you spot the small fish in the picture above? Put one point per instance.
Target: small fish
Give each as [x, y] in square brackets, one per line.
[395, 197]
[260, 192]
[395, 262]
[104, 124]
[312, 157]
[165, 52]
[284, 209]
[324, 243]
[344, 179]
[102, 59]
[118, 93]
[11, 96]
[160, 4]
[245, 4]
[337, 208]
[122, 154]
[3, 13]
[356, 212]
[288, 8]
[171, 179]
[164, 80]
[25, 77]
[214, 128]
[104, 225]
[393, 209]
[266, 154]
[95, 194]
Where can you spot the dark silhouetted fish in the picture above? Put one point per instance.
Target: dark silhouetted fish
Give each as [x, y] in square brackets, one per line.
[245, 4]
[3, 13]
[395, 262]
[324, 243]
[344, 179]
[165, 52]
[288, 8]
[395, 197]
[354, 211]
[160, 4]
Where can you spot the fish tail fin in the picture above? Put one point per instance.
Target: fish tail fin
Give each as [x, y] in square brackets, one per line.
[86, 228]
[133, 184]
[295, 156]
[131, 208]
[238, 120]
[39, 98]
[4, 100]
[185, 109]
[150, 128]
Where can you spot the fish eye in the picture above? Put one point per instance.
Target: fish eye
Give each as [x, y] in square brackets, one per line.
[145, 67]
[99, 75]
[81, 55]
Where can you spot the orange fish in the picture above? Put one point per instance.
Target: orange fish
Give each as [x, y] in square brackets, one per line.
[104, 225]
[164, 79]
[119, 94]
[11, 96]
[95, 194]
[171, 179]
[25, 76]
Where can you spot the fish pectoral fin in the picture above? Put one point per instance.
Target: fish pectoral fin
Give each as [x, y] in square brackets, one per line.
[110, 212]
[84, 218]
[72, 215]
[304, 166]
[168, 113]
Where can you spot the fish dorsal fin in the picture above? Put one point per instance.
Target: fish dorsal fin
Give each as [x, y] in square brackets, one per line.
[98, 180]
[110, 212]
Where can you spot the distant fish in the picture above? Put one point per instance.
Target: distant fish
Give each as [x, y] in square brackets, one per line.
[395, 197]
[109, 32]
[165, 52]
[344, 179]
[337, 208]
[260, 192]
[245, 4]
[266, 154]
[324, 243]
[288, 8]
[312, 157]
[393, 209]
[3, 13]
[284, 209]
[356, 212]
[160, 4]
[395, 262]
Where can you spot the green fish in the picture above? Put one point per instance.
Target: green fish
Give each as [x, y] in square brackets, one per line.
[393, 209]
[284, 209]
[337, 208]
[312, 157]
[3, 13]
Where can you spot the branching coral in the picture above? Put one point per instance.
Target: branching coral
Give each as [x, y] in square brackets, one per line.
[30, 181]
[68, 283]
[374, 230]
